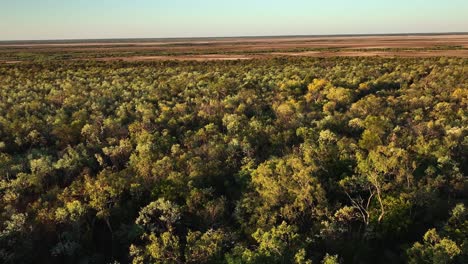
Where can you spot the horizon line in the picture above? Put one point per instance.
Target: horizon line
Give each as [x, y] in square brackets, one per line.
[238, 36]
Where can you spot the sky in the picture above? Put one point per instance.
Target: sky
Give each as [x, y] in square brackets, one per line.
[97, 19]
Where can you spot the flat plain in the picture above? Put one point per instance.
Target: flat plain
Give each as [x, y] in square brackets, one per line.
[349, 149]
[207, 49]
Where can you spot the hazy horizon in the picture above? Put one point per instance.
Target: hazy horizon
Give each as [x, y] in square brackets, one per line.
[240, 37]
[119, 19]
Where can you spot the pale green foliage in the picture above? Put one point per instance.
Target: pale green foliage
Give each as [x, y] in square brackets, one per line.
[341, 96]
[15, 224]
[381, 165]
[164, 248]
[434, 249]
[72, 211]
[277, 240]
[300, 257]
[119, 154]
[204, 247]
[158, 215]
[13, 233]
[375, 129]
[280, 244]
[330, 259]
[290, 185]
[40, 169]
[161, 245]
[72, 159]
[104, 191]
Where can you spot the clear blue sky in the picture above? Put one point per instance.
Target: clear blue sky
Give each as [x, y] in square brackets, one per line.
[65, 19]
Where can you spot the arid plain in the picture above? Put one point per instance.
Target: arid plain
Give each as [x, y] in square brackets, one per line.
[206, 49]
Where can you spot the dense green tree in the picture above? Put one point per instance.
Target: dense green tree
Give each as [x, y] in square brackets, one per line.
[280, 160]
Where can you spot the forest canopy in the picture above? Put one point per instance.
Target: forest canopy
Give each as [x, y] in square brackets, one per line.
[281, 160]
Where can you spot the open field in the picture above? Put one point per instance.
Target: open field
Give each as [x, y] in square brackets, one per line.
[238, 48]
